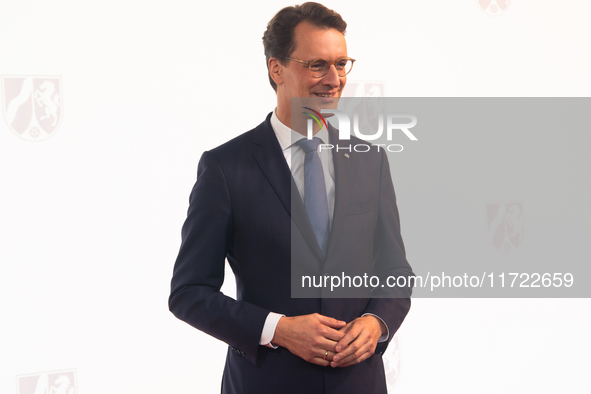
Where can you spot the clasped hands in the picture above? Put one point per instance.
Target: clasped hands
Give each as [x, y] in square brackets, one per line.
[325, 341]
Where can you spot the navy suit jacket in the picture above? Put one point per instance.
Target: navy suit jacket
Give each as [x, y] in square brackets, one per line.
[245, 207]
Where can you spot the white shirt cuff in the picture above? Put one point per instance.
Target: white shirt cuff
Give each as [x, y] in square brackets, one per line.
[384, 337]
[269, 329]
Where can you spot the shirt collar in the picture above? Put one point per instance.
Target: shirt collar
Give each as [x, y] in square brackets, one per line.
[286, 135]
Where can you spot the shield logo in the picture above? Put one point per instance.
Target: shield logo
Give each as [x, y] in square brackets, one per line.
[32, 106]
[392, 363]
[366, 112]
[48, 383]
[505, 225]
[494, 7]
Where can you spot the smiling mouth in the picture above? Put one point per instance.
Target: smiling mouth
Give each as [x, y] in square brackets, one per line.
[325, 94]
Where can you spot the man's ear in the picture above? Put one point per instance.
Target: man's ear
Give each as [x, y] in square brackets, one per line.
[276, 71]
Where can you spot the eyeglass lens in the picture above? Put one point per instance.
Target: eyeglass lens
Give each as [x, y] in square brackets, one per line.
[320, 67]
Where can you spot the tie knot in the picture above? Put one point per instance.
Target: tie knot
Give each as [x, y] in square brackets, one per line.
[309, 145]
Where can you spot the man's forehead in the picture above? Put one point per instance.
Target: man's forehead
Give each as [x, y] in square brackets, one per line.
[311, 37]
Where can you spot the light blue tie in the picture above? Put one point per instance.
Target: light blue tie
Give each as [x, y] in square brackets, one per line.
[315, 198]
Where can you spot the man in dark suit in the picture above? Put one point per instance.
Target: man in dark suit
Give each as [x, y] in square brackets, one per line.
[249, 205]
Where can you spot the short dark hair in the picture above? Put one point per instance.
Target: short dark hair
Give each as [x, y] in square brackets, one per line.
[278, 39]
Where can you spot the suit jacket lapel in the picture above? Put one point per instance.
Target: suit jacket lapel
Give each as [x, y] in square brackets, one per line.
[267, 152]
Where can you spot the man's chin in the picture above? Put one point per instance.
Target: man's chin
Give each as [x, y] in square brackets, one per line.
[327, 100]
[311, 107]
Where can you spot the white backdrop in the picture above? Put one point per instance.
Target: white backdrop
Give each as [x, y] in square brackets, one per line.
[90, 217]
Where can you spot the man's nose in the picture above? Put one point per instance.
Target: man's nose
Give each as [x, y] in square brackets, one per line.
[332, 77]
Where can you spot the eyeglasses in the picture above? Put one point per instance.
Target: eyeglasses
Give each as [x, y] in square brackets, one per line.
[320, 67]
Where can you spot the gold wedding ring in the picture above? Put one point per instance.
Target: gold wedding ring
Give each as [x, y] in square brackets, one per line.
[326, 355]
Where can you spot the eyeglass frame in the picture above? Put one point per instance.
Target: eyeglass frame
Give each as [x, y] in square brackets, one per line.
[308, 63]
